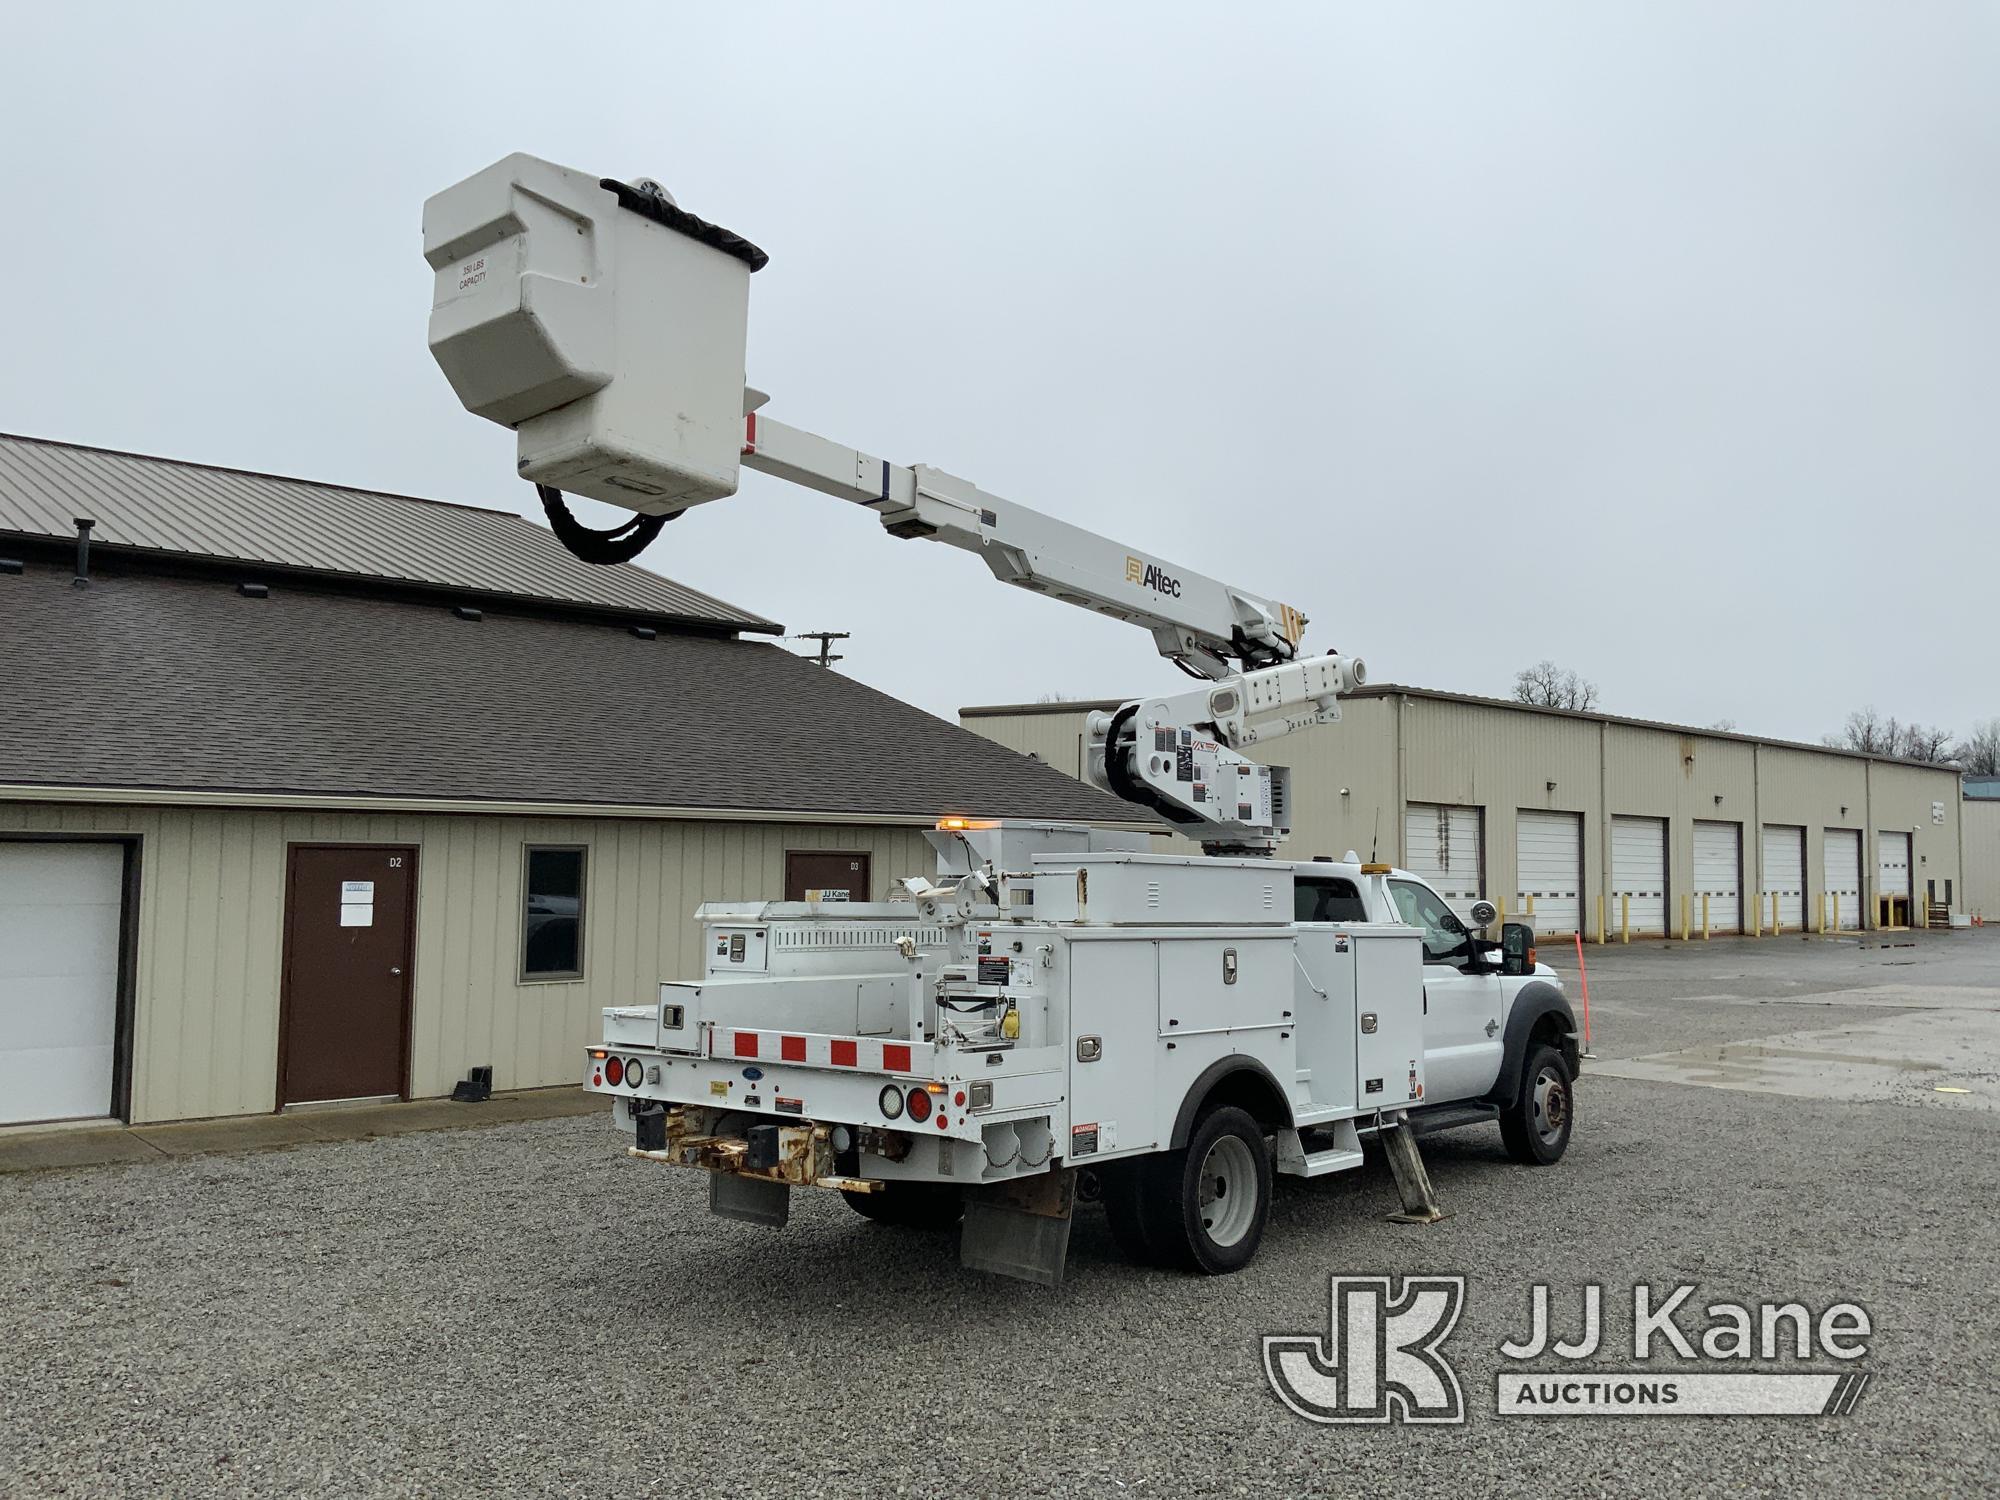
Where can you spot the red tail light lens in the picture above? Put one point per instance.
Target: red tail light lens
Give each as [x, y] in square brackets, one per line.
[613, 1071]
[920, 1104]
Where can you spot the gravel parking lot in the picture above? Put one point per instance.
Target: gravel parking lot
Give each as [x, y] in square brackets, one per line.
[523, 1309]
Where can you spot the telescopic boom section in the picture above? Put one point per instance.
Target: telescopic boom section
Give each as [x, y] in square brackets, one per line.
[607, 327]
[1195, 620]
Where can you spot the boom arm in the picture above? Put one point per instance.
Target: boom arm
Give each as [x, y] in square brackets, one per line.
[607, 327]
[1196, 621]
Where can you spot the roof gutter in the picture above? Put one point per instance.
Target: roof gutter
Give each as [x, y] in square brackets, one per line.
[492, 807]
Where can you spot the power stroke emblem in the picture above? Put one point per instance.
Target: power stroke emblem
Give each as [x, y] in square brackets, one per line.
[1379, 1361]
[1151, 576]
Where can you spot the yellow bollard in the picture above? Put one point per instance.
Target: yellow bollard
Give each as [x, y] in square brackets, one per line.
[1600, 920]
[1502, 918]
[1530, 899]
[1777, 927]
[1836, 911]
[1822, 913]
[1704, 916]
[1757, 915]
[1624, 916]
[1926, 924]
[1686, 917]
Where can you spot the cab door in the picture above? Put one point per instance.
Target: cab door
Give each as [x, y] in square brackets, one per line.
[1464, 1009]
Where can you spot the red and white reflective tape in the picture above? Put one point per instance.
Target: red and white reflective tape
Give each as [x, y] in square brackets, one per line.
[859, 1054]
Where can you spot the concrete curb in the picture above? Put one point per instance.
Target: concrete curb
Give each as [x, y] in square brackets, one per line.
[48, 1148]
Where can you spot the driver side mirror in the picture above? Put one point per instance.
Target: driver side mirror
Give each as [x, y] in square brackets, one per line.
[1517, 949]
[1483, 913]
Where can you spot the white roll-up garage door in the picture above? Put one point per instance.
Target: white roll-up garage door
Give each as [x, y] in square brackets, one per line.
[1442, 844]
[1718, 875]
[1892, 864]
[1784, 876]
[1638, 876]
[60, 905]
[1548, 849]
[1843, 876]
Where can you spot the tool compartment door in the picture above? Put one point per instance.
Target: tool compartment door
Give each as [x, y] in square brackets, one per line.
[1388, 1017]
[1113, 1003]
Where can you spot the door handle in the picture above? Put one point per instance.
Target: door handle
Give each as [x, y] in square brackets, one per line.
[1089, 1048]
[396, 970]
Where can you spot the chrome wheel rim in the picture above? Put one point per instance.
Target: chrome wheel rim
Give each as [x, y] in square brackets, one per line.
[1228, 1190]
[1551, 1105]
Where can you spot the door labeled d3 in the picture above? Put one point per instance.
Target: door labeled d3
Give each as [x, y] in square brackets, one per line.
[344, 1032]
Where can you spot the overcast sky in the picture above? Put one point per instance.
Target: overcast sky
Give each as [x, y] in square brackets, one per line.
[1661, 341]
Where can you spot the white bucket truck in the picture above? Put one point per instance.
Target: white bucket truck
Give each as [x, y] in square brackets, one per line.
[1055, 1007]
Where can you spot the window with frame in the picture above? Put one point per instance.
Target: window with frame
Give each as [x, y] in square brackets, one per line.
[552, 912]
[1445, 937]
[1326, 898]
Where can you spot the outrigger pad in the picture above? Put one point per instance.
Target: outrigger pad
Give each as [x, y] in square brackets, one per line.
[1020, 1229]
[751, 1199]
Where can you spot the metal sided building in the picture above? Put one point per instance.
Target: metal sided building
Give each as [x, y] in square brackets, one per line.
[313, 793]
[1981, 811]
[1596, 823]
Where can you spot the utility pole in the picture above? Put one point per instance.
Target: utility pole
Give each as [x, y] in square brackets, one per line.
[827, 655]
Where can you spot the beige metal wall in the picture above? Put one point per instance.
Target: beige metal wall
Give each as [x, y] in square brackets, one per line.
[1982, 859]
[211, 931]
[1390, 751]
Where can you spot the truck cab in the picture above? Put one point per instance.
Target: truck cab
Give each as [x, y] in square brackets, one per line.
[1467, 993]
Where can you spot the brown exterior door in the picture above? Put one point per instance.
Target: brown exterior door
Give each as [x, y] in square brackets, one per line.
[344, 1028]
[823, 875]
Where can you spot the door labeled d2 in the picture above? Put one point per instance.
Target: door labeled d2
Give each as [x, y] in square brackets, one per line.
[346, 1006]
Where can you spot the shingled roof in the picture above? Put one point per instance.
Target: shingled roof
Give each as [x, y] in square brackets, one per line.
[170, 510]
[142, 680]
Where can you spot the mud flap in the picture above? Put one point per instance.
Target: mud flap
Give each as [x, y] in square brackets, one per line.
[1020, 1228]
[751, 1199]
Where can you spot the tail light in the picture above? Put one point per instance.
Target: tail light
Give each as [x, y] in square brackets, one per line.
[613, 1070]
[635, 1072]
[920, 1104]
[891, 1102]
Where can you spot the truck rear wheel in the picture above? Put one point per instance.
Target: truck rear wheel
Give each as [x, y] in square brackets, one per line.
[1536, 1126]
[910, 1205]
[1205, 1205]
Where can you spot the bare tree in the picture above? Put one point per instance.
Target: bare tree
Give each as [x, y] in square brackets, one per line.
[1979, 752]
[1724, 726]
[1927, 742]
[1055, 698]
[1867, 731]
[1870, 731]
[1549, 686]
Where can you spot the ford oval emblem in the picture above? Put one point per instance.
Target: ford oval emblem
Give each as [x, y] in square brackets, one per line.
[753, 1074]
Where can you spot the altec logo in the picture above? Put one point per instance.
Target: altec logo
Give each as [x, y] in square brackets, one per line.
[1151, 576]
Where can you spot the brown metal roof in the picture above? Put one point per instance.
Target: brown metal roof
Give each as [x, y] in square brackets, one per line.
[1394, 689]
[169, 508]
[181, 683]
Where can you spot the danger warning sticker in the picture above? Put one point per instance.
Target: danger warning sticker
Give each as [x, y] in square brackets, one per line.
[1083, 1140]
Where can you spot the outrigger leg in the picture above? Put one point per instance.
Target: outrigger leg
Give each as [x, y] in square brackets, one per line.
[1413, 1183]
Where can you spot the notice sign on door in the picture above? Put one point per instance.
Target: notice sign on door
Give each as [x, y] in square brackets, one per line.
[357, 903]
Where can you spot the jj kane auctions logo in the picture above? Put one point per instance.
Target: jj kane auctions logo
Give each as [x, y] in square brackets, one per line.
[1382, 1361]
[1151, 576]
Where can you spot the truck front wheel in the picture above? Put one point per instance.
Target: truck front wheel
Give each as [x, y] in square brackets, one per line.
[1537, 1125]
[1205, 1205]
[910, 1205]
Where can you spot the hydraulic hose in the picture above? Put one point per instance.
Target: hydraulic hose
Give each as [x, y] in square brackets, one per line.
[616, 544]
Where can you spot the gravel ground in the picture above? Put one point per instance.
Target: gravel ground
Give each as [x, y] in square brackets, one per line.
[520, 1309]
